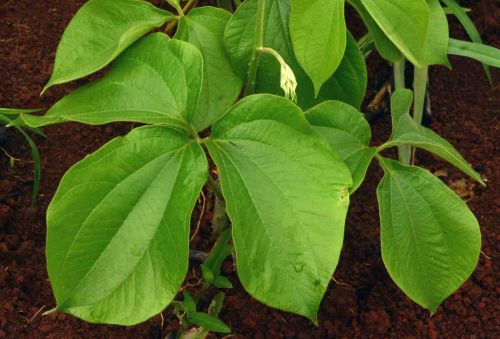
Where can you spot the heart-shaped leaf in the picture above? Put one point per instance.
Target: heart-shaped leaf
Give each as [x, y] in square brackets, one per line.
[118, 226]
[287, 197]
[204, 27]
[347, 84]
[384, 45]
[99, 32]
[430, 238]
[348, 133]
[405, 23]
[318, 34]
[407, 132]
[156, 81]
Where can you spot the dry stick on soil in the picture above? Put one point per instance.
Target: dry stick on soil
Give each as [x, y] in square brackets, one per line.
[37, 313]
[202, 212]
[377, 105]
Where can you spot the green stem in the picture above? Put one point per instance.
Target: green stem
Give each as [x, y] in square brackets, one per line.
[181, 11]
[382, 163]
[259, 43]
[404, 152]
[399, 74]
[220, 220]
[214, 186]
[420, 89]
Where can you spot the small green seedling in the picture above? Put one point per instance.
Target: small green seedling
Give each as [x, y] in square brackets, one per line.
[9, 117]
[119, 224]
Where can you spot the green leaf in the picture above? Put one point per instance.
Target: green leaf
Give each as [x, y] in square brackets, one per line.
[17, 111]
[216, 304]
[407, 132]
[219, 252]
[156, 81]
[37, 165]
[209, 322]
[384, 45]
[188, 303]
[287, 197]
[347, 84]
[486, 54]
[118, 226]
[318, 34]
[430, 239]
[348, 133]
[436, 44]
[470, 28]
[207, 274]
[222, 282]
[204, 27]
[99, 32]
[405, 22]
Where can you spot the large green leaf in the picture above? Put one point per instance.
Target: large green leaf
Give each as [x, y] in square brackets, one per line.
[430, 239]
[405, 22]
[384, 45]
[407, 132]
[348, 133]
[287, 197]
[156, 81]
[469, 27]
[347, 84]
[488, 55]
[204, 27]
[318, 33]
[436, 43]
[118, 226]
[99, 32]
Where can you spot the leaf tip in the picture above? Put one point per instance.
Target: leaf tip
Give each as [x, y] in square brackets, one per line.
[46, 87]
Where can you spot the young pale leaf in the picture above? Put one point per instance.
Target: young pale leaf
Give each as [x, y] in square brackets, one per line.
[384, 45]
[99, 32]
[430, 238]
[436, 43]
[156, 81]
[118, 226]
[348, 133]
[204, 27]
[486, 54]
[407, 132]
[216, 305]
[287, 197]
[318, 34]
[405, 22]
[209, 322]
[470, 28]
[347, 84]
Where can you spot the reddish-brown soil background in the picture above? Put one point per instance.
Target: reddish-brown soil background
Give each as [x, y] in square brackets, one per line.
[362, 302]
